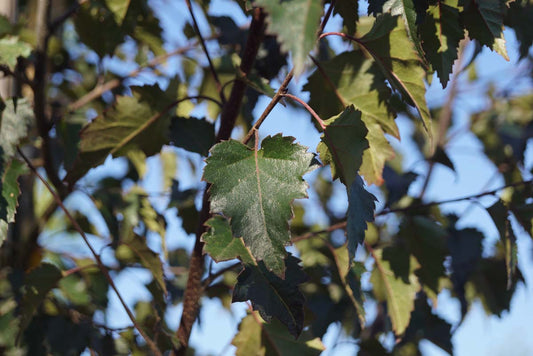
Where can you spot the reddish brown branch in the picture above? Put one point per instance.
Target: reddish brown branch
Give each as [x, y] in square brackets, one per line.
[319, 121]
[194, 288]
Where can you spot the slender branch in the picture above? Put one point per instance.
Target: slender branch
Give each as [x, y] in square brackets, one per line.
[97, 258]
[202, 41]
[327, 16]
[194, 288]
[319, 121]
[207, 281]
[39, 90]
[275, 100]
[114, 83]
[342, 225]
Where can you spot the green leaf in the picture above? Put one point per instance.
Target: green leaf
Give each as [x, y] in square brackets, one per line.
[389, 45]
[119, 9]
[37, 284]
[378, 152]
[399, 295]
[12, 48]
[427, 325]
[220, 243]
[14, 122]
[10, 191]
[348, 10]
[499, 214]
[441, 32]
[361, 205]
[191, 134]
[130, 124]
[255, 190]
[258, 339]
[484, 22]
[273, 296]
[351, 78]
[295, 22]
[133, 248]
[426, 241]
[519, 17]
[343, 143]
[465, 251]
[407, 10]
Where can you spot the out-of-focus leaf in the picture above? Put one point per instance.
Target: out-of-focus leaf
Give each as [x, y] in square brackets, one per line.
[296, 24]
[484, 22]
[361, 205]
[119, 9]
[465, 252]
[130, 124]
[440, 156]
[343, 143]
[191, 134]
[490, 285]
[519, 17]
[426, 325]
[273, 296]
[14, 121]
[255, 189]
[499, 214]
[397, 185]
[441, 32]
[9, 192]
[259, 339]
[169, 165]
[37, 284]
[400, 296]
[134, 249]
[220, 243]
[388, 43]
[12, 48]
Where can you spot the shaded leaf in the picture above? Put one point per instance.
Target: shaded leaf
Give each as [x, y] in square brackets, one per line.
[361, 205]
[256, 338]
[255, 189]
[440, 156]
[130, 124]
[484, 22]
[400, 296]
[397, 185]
[499, 214]
[465, 252]
[220, 243]
[441, 32]
[427, 325]
[119, 8]
[388, 43]
[273, 296]
[37, 284]
[9, 192]
[519, 17]
[191, 134]
[141, 253]
[12, 48]
[296, 24]
[348, 10]
[343, 143]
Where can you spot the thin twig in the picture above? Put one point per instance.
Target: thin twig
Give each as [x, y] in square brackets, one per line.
[342, 225]
[319, 121]
[97, 258]
[207, 281]
[202, 41]
[114, 83]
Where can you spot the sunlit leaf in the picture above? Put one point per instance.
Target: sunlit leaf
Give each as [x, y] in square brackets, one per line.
[220, 243]
[255, 189]
[119, 9]
[9, 192]
[15, 119]
[399, 295]
[12, 48]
